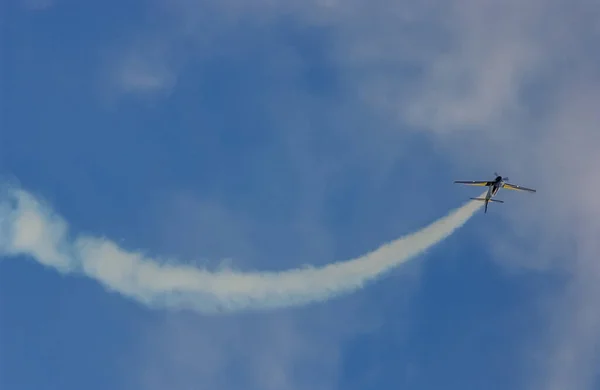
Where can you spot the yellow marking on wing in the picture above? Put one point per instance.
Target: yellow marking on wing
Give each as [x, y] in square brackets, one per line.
[479, 184]
[511, 187]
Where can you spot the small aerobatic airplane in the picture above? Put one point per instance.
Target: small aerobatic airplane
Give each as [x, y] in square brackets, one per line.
[495, 185]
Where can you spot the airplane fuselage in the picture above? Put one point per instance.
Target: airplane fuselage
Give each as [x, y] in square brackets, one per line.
[493, 189]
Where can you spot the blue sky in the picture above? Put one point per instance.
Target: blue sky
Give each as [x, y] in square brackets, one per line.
[274, 135]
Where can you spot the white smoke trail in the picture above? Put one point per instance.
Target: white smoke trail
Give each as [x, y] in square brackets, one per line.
[28, 227]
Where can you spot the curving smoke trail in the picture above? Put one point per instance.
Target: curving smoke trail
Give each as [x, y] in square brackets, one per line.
[28, 227]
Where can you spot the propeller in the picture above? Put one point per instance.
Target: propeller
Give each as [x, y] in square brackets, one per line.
[504, 178]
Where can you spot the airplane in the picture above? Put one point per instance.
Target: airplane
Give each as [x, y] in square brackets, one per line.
[494, 186]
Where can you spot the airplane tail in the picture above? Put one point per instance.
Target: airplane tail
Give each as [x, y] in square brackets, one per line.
[486, 202]
[489, 200]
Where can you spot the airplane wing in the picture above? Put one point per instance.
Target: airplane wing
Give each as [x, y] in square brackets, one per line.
[474, 183]
[516, 187]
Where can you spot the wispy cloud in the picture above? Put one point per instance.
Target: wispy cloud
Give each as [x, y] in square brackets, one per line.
[504, 86]
[37, 5]
[34, 230]
[144, 68]
[508, 86]
[279, 350]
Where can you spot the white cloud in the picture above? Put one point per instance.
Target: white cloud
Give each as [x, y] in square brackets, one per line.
[478, 80]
